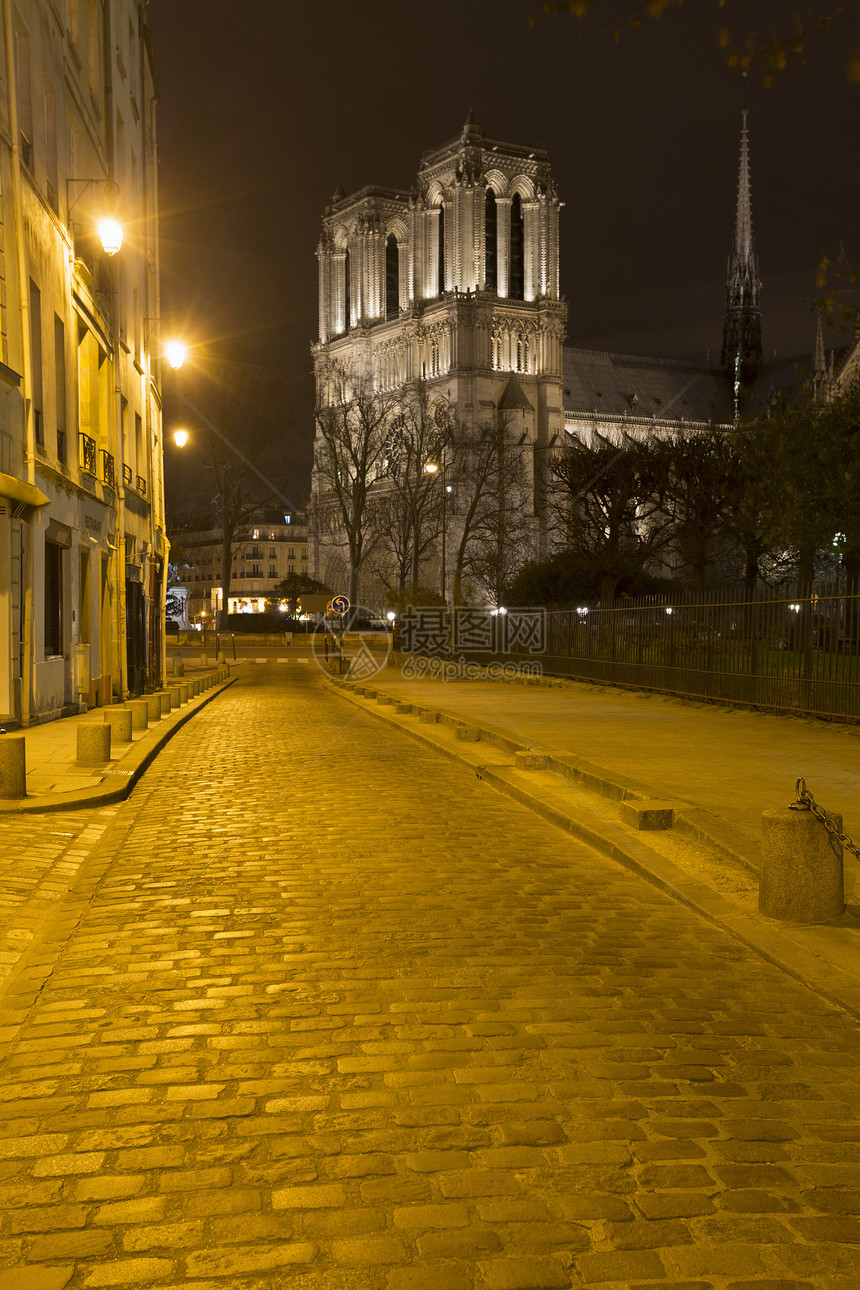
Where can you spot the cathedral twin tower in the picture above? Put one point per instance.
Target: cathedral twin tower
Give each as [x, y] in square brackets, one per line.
[454, 284]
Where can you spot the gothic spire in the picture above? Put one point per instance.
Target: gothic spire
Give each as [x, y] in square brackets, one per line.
[742, 352]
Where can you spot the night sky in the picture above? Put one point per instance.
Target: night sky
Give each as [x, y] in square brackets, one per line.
[267, 106]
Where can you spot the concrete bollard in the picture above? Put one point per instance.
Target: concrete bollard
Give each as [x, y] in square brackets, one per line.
[186, 691]
[13, 766]
[175, 692]
[139, 713]
[119, 720]
[93, 742]
[801, 867]
[153, 707]
[166, 703]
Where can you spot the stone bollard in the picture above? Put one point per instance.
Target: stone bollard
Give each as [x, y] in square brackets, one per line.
[139, 713]
[175, 696]
[119, 721]
[166, 703]
[153, 707]
[801, 867]
[13, 766]
[93, 742]
[186, 691]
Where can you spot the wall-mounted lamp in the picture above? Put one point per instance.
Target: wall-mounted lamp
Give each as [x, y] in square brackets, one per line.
[109, 229]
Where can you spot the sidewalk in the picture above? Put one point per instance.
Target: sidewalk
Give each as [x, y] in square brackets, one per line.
[56, 781]
[718, 768]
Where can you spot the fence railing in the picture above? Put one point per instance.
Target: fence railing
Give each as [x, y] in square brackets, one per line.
[789, 654]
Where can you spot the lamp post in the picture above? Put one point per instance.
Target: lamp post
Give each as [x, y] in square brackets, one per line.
[433, 468]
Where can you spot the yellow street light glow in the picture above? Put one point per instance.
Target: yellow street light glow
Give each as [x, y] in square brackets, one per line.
[175, 353]
[431, 468]
[180, 438]
[110, 234]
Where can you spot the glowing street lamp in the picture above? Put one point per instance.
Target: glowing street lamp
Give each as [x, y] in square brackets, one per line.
[180, 438]
[175, 353]
[110, 233]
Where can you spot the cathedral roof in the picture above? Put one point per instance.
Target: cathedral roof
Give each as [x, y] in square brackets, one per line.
[615, 385]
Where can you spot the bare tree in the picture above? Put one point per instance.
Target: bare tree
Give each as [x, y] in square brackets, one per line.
[353, 428]
[408, 509]
[608, 506]
[492, 515]
[236, 416]
[772, 51]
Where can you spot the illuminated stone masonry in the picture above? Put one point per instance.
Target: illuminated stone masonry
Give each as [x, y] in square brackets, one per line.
[453, 284]
[453, 287]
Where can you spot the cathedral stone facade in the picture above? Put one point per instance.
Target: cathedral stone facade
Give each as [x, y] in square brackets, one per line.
[453, 286]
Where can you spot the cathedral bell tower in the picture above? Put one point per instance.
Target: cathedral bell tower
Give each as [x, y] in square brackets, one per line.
[742, 352]
[454, 284]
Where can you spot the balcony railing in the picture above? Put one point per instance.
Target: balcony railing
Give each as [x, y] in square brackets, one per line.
[61, 447]
[108, 469]
[141, 485]
[126, 474]
[88, 454]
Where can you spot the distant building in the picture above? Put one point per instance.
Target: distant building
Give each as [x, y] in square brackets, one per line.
[82, 541]
[454, 284]
[272, 546]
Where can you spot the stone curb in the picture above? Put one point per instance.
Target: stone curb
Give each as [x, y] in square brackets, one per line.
[836, 986]
[128, 769]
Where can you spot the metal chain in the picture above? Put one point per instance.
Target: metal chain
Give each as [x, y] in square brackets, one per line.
[806, 802]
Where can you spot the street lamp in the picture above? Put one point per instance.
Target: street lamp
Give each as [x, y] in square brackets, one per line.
[109, 229]
[180, 438]
[110, 234]
[433, 468]
[175, 353]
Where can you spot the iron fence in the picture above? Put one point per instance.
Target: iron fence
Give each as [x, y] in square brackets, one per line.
[799, 655]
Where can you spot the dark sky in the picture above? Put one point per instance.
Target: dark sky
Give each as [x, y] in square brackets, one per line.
[267, 106]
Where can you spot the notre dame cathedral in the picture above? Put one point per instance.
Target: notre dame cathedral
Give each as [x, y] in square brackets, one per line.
[453, 286]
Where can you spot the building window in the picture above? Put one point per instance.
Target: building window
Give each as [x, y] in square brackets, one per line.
[36, 359]
[441, 250]
[392, 277]
[517, 250]
[347, 320]
[60, 384]
[53, 600]
[490, 240]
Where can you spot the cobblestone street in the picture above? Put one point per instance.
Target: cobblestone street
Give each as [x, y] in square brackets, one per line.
[320, 1010]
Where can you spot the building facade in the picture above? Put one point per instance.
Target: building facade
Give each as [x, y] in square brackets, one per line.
[82, 537]
[453, 285]
[273, 546]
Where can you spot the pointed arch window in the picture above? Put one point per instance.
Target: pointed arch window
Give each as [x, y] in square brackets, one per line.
[347, 320]
[518, 284]
[441, 255]
[490, 240]
[392, 277]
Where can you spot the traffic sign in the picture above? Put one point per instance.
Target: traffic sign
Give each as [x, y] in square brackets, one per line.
[340, 605]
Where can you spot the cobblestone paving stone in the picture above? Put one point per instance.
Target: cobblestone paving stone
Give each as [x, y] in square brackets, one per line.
[322, 1012]
[38, 863]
